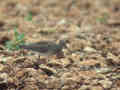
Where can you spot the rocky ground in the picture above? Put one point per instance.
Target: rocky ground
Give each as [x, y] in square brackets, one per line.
[91, 60]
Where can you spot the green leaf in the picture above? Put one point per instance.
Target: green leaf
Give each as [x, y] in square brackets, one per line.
[15, 32]
[17, 47]
[20, 37]
[29, 17]
[9, 45]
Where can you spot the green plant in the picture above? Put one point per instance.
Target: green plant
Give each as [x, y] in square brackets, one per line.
[16, 42]
[103, 19]
[29, 16]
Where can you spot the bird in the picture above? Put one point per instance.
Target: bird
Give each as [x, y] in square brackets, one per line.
[46, 48]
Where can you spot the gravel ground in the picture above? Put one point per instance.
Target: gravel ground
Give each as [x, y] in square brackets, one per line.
[90, 59]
